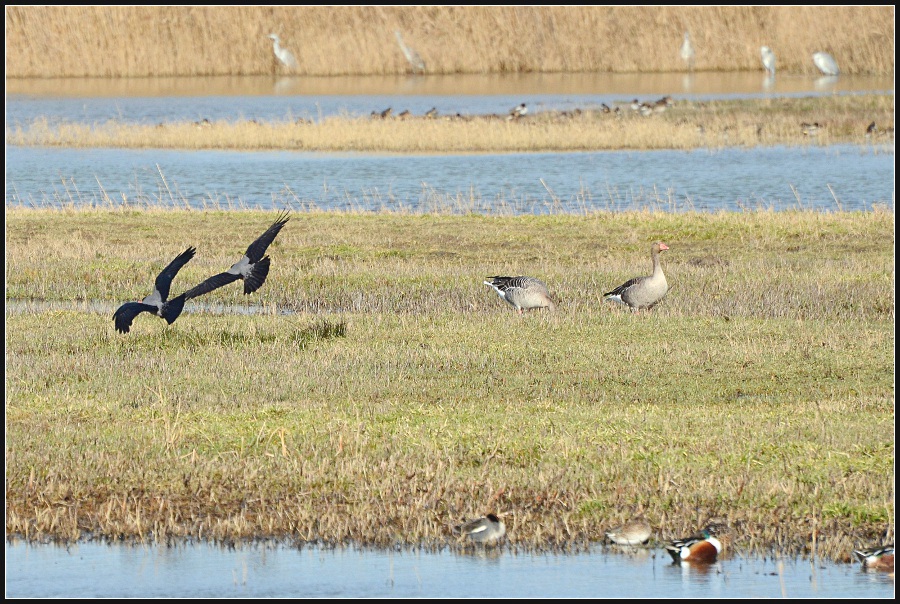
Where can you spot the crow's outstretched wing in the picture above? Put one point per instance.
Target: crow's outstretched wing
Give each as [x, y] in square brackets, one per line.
[258, 248]
[126, 313]
[214, 282]
[164, 280]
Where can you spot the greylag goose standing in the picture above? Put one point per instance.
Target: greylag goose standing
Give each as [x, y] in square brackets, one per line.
[158, 302]
[633, 532]
[487, 530]
[252, 268]
[643, 292]
[522, 293]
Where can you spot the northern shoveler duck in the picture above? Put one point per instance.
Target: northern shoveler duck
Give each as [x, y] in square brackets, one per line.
[386, 113]
[643, 292]
[158, 302]
[522, 293]
[687, 51]
[702, 547]
[252, 268]
[284, 56]
[487, 530]
[877, 558]
[826, 63]
[768, 59]
[633, 532]
[431, 113]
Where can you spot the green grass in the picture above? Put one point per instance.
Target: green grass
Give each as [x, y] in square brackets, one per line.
[402, 396]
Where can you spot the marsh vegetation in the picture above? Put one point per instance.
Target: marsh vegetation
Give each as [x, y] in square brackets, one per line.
[401, 396]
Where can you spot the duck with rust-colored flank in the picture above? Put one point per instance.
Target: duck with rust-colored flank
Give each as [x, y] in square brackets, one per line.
[703, 547]
[643, 292]
[487, 530]
[876, 558]
[522, 293]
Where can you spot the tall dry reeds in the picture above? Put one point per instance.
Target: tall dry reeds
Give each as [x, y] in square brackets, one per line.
[120, 41]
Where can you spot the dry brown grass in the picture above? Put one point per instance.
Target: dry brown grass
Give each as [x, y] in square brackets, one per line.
[64, 41]
[687, 125]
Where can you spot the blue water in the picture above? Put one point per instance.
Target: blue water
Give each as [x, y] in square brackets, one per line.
[124, 571]
[837, 177]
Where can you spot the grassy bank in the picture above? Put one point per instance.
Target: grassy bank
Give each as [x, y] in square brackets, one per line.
[686, 125]
[116, 41]
[401, 396]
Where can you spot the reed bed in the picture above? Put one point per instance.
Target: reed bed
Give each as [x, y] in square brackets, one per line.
[378, 393]
[687, 125]
[135, 41]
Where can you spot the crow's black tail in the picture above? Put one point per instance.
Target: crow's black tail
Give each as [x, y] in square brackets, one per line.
[257, 276]
[171, 310]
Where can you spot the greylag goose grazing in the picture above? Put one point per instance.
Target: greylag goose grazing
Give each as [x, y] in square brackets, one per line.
[643, 292]
[158, 302]
[487, 530]
[252, 268]
[522, 293]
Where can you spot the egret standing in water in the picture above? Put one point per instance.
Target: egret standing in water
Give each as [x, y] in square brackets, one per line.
[768, 59]
[411, 55]
[687, 51]
[826, 63]
[284, 56]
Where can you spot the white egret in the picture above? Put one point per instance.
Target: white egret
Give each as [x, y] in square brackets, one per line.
[285, 56]
[768, 59]
[411, 55]
[826, 63]
[687, 51]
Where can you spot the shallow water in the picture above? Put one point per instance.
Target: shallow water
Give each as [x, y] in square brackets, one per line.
[125, 571]
[839, 177]
[265, 98]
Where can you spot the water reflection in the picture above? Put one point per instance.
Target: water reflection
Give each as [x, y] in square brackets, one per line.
[272, 570]
[267, 98]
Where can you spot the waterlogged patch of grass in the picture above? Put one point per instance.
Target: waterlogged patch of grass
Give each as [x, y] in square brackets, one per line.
[403, 392]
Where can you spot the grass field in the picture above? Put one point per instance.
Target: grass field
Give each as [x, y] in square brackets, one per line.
[380, 393]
